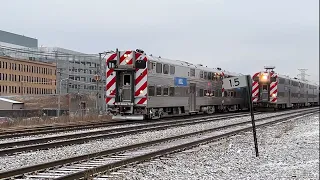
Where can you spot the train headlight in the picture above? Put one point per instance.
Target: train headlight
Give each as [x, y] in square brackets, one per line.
[211, 94]
[126, 55]
[141, 92]
[273, 95]
[264, 77]
[207, 94]
[127, 61]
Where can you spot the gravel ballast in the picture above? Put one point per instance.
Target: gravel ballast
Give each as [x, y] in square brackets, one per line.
[287, 150]
[42, 156]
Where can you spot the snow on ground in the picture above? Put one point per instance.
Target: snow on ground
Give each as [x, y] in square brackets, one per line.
[287, 151]
[42, 156]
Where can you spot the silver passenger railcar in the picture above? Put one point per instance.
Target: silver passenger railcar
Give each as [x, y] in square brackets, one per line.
[271, 90]
[165, 87]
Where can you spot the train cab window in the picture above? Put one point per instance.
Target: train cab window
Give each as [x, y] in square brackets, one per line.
[165, 91]
[264, 87]
[126, 79]
[201, 74]
[165, 69]
[171, 91]
[151, 91]
[159, 68]
[172, 70]
[159, 93]
[192, 72]
[205, 75]
[140, 64]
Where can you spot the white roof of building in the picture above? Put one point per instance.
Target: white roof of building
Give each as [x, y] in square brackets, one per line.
[10, 101]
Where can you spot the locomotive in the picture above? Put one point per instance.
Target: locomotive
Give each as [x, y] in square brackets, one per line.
[274, 91]
[140, 86]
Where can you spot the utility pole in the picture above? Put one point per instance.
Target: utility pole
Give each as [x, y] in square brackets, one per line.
[59, 96]
[303, 74]
[97, 78]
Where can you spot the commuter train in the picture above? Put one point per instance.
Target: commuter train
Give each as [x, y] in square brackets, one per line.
[140, 86]
[273, 91]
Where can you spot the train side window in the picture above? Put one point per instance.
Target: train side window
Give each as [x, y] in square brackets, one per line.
[159, 93]
[201, 74]
[205, 76]
[192, 72]
[172, 70]
[201, 93]
[281, 81]
[165, 91]
[209, 75]
[171, 91]
[165, 69]
[151, 91]
[225, 93]
[159, 68]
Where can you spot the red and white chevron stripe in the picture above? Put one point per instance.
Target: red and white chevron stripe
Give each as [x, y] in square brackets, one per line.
[110, 82]
[273, 89]
[255, 88]
[141, 82]
[222, 90]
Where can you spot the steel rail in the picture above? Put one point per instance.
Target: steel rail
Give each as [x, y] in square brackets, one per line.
[39, 167]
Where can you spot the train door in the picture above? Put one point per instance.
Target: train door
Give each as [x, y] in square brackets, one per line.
[265, 92]
[192, 97]
[125, 87]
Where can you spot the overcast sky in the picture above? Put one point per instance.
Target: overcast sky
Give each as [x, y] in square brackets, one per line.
[236, 35]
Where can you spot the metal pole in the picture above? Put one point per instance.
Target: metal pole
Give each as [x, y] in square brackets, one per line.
[249, 90]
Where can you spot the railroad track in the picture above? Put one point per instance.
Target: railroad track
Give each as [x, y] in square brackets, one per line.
[109, 160]
[15, 133]
[13, 147]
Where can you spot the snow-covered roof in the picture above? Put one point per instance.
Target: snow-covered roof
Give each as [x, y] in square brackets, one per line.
[10, 101]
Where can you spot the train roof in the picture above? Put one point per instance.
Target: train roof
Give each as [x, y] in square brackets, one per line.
[296, 79]
[190, 65]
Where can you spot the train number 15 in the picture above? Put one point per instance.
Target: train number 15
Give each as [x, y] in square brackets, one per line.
[236, 82]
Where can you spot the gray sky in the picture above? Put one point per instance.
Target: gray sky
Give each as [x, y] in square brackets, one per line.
[236, 35]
